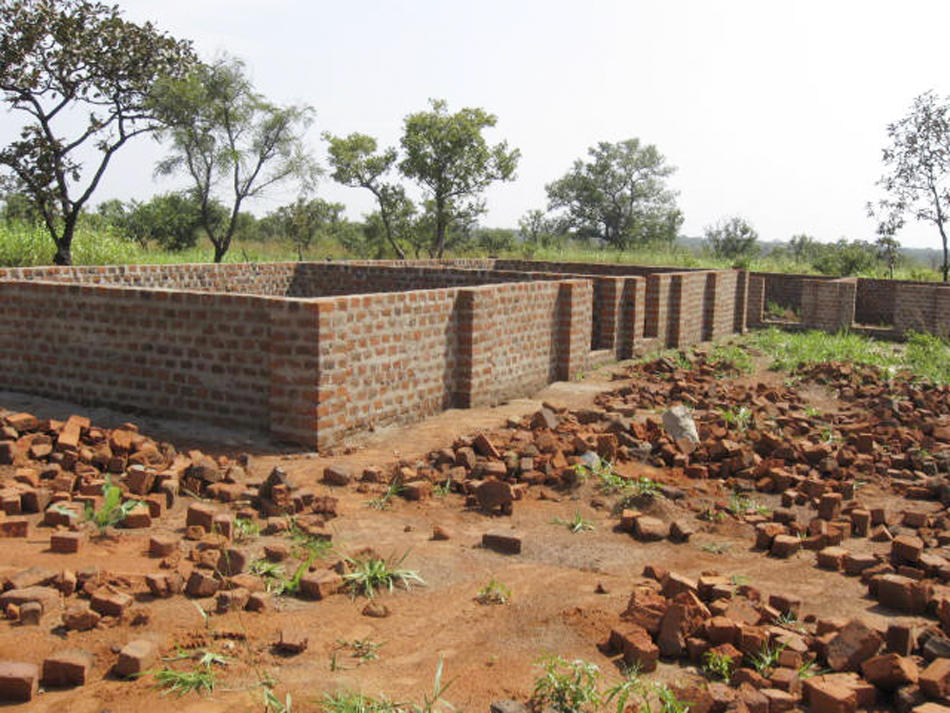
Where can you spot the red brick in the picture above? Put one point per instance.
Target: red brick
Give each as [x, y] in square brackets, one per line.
[18, 681]
[136, 657]
[67, 668]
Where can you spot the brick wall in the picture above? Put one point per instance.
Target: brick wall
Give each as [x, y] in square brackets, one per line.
[829, 304]
[312, 352]
[385, 358]
[186, 354]
[874, 303]
[630, 324]
[921, 307]
[273, 278]
[724, 303]
[686, 310]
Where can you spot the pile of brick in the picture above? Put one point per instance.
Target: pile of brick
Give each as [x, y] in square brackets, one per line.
[770, 655]
[551, 450]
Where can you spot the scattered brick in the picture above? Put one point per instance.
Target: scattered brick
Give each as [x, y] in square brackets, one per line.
[505, 542]
[67, 668]
[18, 681]
[136, 657]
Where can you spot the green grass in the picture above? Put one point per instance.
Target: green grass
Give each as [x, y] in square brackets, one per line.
[371, 574]
[740, 503]
[567, 686]
[766, 658]
[576, 524]
[924, 355]
[23, 244]
[200, 679]
[791, 350]
[928, 357]
[739, 419]
[717, 665]
[309, 545]
[361, 650]
[110, 513]
[494, 592]
[731, 355]
[575, 687]
[382, 502]
[353, 702]
[26, 245]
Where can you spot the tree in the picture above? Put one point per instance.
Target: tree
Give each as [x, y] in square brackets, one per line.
[230, 141]
[495, 240]
[537, 230]
[619, 196]
[305, 221]
[917, 183]
[76, 65]
[732, 239]
[803, 247]
[171, 219]
[889, 253]
[450, 159]
[356, 164]
[19, 207]
[844, 258]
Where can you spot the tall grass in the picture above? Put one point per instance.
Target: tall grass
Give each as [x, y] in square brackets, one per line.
[929, 357]
[790, 350]
[925, 355]
[24, 244]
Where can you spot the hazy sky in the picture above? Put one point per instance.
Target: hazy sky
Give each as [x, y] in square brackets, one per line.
[773, 111]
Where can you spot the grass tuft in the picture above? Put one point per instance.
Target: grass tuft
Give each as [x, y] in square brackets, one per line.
[371, 574]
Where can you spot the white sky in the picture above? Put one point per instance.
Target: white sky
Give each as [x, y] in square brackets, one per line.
[773, 111]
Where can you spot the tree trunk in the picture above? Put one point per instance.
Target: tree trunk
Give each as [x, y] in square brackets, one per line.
[439, 227]
[220, 250]
[946, 256]
[389, 234]
[64, 244]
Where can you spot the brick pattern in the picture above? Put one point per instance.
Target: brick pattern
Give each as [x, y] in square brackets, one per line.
[630, 323]
[829, 304]
[922, 308]
[723, 300]
[875, 300]
[686, 311]
[607, 296]
[312, 352]
[518, 343]
[659, 295]
[273, 279]
[755, 304]
[385, 358]
[879, 307]
[187, 354]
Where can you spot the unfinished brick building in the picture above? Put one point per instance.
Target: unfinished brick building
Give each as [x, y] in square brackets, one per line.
[313, 352]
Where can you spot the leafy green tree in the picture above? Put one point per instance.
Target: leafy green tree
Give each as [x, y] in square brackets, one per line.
[845, 258]
[619, 196]
[173, 220]
[732, 239]
[917, 182]
[19, 207]
[356, 163]
[539, 231]
[889, 253]
[449, 158]
[305, 221]
[229, 141]
[494, 240]
[82, 77]
[803, 247]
